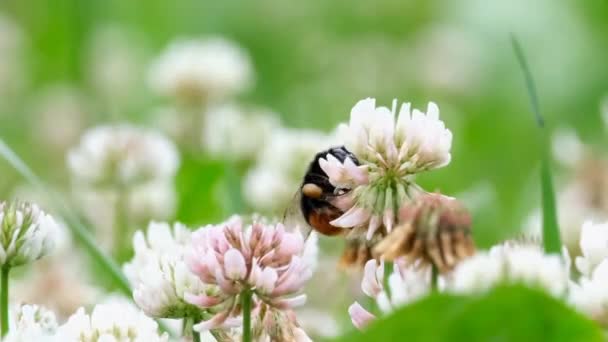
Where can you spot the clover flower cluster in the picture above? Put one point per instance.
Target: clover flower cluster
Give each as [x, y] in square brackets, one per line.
[194, 70]
[159, 274]
[26, 233]
[262, 258]
[391, 149]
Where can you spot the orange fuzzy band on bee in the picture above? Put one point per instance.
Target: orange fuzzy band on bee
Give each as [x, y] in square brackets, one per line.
[320, 222]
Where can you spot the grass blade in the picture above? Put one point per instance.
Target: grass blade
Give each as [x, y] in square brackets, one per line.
[551, 237]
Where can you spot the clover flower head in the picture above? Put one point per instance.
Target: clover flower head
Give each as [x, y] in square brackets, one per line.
[26, 233]
[263, 258]
[193, 70]
[122, 155]
[159, 274]
[114, 321]
[511, 263]
[391, 148]
[32, 323]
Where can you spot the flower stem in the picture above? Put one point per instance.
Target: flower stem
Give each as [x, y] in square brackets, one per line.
[122, 237]
[246, 297]
[434, 278]
[4, 300]
[388, 270]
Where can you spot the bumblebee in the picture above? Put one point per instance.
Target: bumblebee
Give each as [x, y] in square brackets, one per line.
[317, 194]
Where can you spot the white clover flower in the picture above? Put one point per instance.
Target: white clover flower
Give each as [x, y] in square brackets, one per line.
[32, 323]
[111, 322]
[122, 155]
[197, 70]
[511, 263]
[594, 247]
[590, 296]
[408, 282]
[390, 150]
[280, 165]
[26, 233]
[237, 133]
[159, 274]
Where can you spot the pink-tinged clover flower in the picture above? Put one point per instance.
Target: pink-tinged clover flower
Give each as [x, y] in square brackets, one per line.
[262, 258]
[391, 147]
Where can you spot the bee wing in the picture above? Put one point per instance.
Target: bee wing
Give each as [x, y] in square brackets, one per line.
[293, 220]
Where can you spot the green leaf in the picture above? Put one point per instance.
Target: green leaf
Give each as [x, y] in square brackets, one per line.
[551, 238]
[506, 313]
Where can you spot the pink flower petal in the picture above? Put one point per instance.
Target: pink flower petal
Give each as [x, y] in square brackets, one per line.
[374, 224]
[267, 281]
[358, 173]
[359, 316]
[371, 285]
[235, 267]
[202, 300]
[290, 303]
[213, 323]
[354, 217]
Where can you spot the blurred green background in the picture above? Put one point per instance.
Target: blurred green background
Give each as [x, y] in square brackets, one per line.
[313, 60]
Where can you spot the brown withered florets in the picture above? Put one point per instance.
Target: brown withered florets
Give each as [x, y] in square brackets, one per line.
[433, 228]
[356, 253]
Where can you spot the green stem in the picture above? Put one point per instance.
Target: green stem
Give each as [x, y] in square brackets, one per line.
[434, 278]
[122, 237]
[246, 298]
[4, 300]
[196, 337]
[388, 270]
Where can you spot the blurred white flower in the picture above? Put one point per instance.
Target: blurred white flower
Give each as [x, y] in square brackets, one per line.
[32, 323]
[511, 263]
[318, 322]
[594, 247]
[26, 233]
[446, 57]
[158, 272]
[590, 296]
[152, 201]
[122, 155]
[111, 322]
[567, 147]
[279, 168]
[390, 151]
[12, 71]
[263, 258]
[60, 111]
[114, 63]
[204, 69]
[237, 133]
